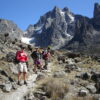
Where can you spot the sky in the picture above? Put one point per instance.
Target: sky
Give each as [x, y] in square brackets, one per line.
[25, 12]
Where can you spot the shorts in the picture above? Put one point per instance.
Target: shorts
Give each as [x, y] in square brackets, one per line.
[37, 62]
[22, 67]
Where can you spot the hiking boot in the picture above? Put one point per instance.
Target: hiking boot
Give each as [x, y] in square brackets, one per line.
[19, 83]
[25, 82]
[45, 67]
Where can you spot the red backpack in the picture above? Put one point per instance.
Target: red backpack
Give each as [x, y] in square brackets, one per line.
[45, 55]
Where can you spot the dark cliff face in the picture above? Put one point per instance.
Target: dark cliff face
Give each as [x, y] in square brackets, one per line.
[87, 33]
[96, 18]
[10, 29]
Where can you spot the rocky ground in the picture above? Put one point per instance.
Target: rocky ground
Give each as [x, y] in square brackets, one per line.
[70, 76]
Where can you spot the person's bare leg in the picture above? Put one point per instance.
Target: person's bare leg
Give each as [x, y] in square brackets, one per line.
[41, 67]
[24, 76]
[19, 74]
[35, 67]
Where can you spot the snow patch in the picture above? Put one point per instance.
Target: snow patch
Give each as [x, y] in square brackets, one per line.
[71, 17]
[62, 13]
[26, 40]
[39, 29]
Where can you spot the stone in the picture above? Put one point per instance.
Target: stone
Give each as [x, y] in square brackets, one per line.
[91, 88]
[30, 96]
[77, 60]
[59, 74]
[40, 76]
[39, 94]
[84, 76]
[11, 57]
[14, 85]
[95, 76]
[7, 87]
[70, 61]
[83, 92]
[97, 85]
[14, 68]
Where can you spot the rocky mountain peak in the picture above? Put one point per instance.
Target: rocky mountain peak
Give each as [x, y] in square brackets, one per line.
[56, 9]
[66, 9]
[96, 10]
[96, 19]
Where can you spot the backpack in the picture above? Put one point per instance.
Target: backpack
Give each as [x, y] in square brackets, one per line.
[35, 55]
[45, 56]
[17, 54]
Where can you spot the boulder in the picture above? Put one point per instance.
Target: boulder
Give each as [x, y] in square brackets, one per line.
[95, 76]
[83, 92]
[13, 68]
[84, 76]
[59, 74]
[40, 76]
[7, 87]
[91, 88]
[11, 57]
[97, 85]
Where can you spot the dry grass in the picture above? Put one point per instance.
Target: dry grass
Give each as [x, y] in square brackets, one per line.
[55, 88]
[81, 98]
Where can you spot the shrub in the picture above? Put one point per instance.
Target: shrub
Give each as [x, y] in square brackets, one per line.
[55, 88]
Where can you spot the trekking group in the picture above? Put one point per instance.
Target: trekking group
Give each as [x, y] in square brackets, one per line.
[40, 58]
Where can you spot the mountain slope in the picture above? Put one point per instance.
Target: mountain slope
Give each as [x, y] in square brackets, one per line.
[10, 29]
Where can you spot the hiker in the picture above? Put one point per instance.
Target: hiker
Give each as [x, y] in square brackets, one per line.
[46, 56]
[36, 55]
[22, 59]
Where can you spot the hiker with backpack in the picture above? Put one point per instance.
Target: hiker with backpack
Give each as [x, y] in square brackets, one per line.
[36, 55]
[22, 58]
[46, 56]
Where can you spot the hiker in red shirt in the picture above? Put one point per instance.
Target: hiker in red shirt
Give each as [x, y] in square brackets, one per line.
[22, 59]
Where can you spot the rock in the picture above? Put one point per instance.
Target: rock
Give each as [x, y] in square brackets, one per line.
[84, 76]
[96, 97]
[2, 72]
[67, 70]
[71, 67]
[97, 85]
[70, 61]
[59, 74]
[44, 98]
[77, 60]
[11, 57]
[7, 87]
[95, 76]
[83, 92]
[78, 69]
[61, 59]
[73, 55]
[39, 94]
[14, 86]
[40, 76]
[30, 96]
[14, 68]
[91, 88]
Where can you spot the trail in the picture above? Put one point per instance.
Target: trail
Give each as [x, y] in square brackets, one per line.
[22, 90]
